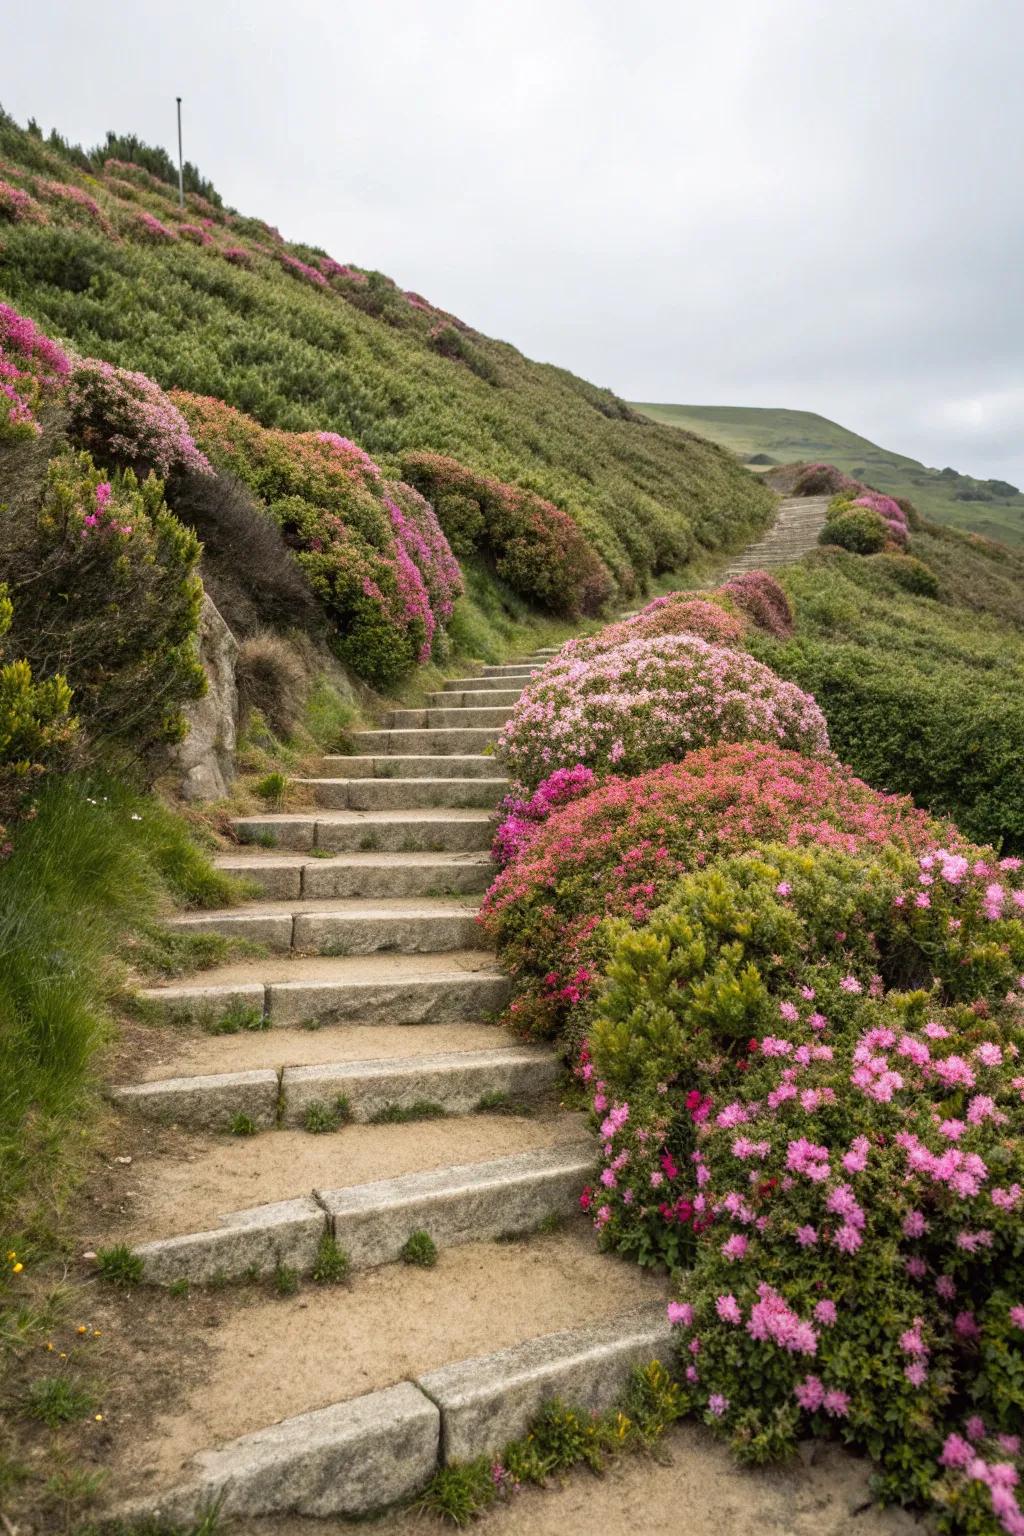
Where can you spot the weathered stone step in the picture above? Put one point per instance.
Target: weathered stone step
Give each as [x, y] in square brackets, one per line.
[476, 765]
[399, 990]
[429, 831]
[345, 1438]
[473, 698]
[517, 680]
[510, 669]
[458, 1081]
[370, 875]
[395, 794]
[344, 927]
[447, 719]
[447, 742]
[465, 1203]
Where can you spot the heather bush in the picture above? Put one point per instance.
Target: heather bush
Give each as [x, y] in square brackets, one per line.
[823, 480]
[649, 702]
[806, 1070]
[17, 206]
[889, 510]
[124, 416]
[32, 369]
[677, 613]
[107, 596]
[535, 546]
[859, 529]
[911, 574]
[371, 551]
[617, 850]
[761, 599]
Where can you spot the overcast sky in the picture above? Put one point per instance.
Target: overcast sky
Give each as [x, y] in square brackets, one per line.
[804, 203]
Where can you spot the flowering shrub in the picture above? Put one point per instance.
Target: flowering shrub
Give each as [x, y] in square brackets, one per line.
[848, 1179]
[17, 206]
[36, 729]
[677, 613]
[148, 227]
[108, 597]
[195, 233]
[300, 269]
[808, 1079]
[618, 850]
[372, 551]
[521, 818]
[66, 193]
[535, 546]
[123, 414]
[650, 701]
[31, 367]
[823, 480]
[237, 255]
[762, 600]
[890, 511]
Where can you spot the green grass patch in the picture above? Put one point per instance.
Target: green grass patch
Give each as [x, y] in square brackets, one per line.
[419, 1249]
[405, 1114]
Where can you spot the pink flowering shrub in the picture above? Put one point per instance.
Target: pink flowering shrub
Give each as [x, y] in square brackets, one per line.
[520, 819]
[125, 415]
[300, 269]
[618, 850]
[147, 226]
[806, 1072]
[236, 254]
[760, 598]
[76, 199]
[32, 367]
[678, 613]
[651, 701]
[18, 207]
[195, 233]
[372, 551]
[823, 480]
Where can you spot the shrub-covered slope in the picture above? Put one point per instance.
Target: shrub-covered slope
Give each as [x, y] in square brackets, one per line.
[213, 303]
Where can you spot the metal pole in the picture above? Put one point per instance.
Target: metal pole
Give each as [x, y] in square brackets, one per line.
[181, 172]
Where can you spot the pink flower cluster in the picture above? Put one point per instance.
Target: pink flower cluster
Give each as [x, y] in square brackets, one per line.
[31, 366]
[150, 228]
[18, 206]
[891, 513]
[521, 818]
[128, 415]
[103, 519]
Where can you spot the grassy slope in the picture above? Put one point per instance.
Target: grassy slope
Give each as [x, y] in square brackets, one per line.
[802, 435]
[300, 356]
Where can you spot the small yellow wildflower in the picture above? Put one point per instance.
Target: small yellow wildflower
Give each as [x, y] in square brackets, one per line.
[81, 1328]
[16, 1269]
[98, 1417]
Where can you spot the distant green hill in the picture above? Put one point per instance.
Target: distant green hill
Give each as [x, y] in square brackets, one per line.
[979, 506]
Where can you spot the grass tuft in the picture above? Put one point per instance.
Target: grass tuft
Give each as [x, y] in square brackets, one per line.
[419, 1249]
[119, 1266]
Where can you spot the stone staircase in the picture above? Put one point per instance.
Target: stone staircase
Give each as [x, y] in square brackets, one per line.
[793, 534]
[367, 1018]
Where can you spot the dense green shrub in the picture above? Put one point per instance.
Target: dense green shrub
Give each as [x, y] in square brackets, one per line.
[909, 573]
[37, 729]
[860, 530]
[917, 700]
[107, 596]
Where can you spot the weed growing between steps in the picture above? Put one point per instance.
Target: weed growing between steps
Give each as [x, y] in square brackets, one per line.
[559, 1438]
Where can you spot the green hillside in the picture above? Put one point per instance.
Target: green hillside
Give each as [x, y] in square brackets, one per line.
[95, 249]
[979, 506]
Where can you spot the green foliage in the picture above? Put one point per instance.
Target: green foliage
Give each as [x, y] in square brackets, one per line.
[420, 1249]
[242, 1125]
[331, 1265]
[321, 1118]
[36, 727]
[272, 788]
[109, 598]
[87, 874]
[285, 1279]
[406, 1114]
[119, 1266]
[917, 699]
[858, 529]
[910, 574]
[56, 1400]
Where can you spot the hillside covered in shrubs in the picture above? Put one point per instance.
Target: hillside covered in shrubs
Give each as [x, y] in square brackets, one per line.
[795, 1000]
[217, 304]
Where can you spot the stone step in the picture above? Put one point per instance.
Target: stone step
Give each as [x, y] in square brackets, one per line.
[345, 927]
[287, 877]
[400, 743]
[371, 1222]
[404, 794]
[426, 831]
[470, 698]
[344, 1442]
[447, 719]
[373, 990]
[510, 669]
[458, 1081]
[477, 765]
[516, 680]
